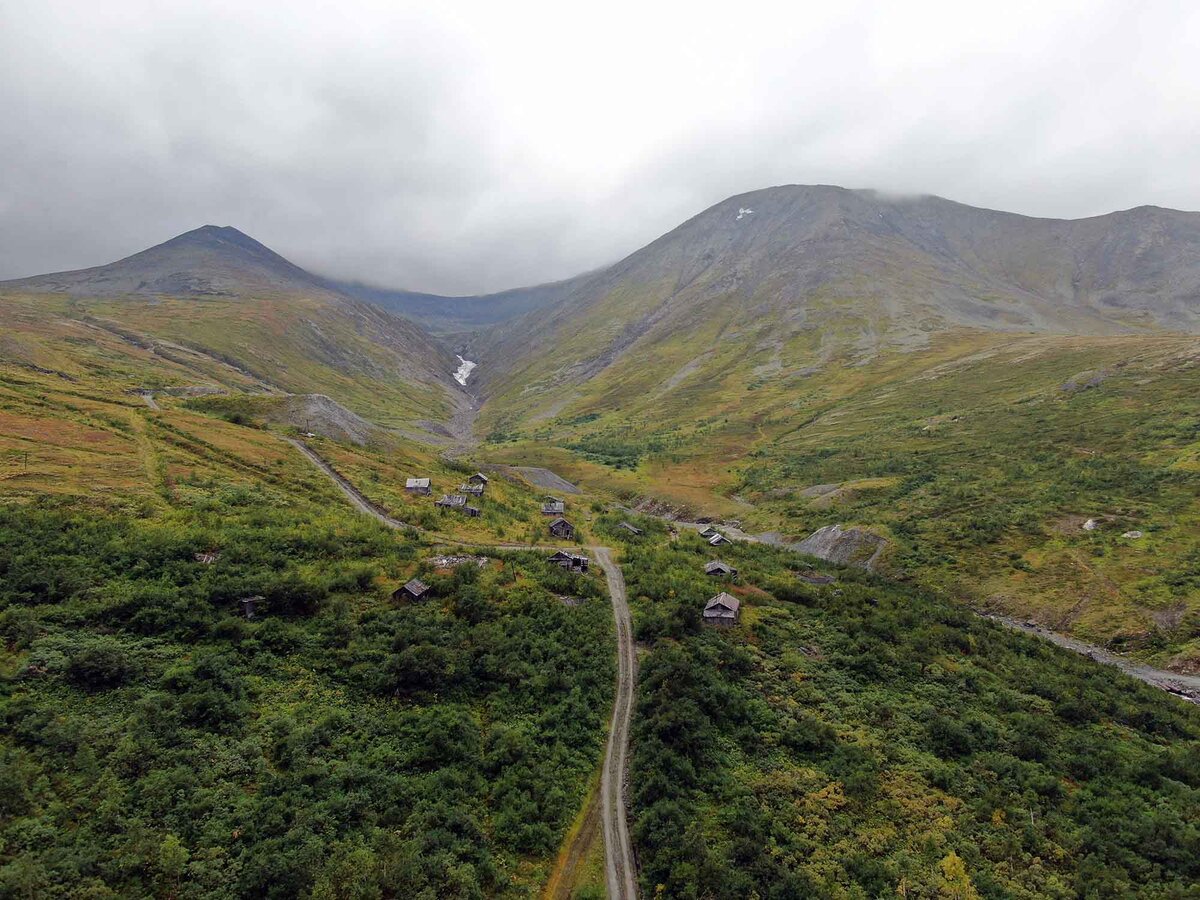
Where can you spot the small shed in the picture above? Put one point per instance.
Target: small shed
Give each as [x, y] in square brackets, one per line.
[718, 539]
[250, 605]
[451, 501]
[553, 507]
[718, 569]
[561, 528]
[418, 485]
[475, 490]
[472, 511]
[479, 478]
[708, 531]
[413, 590]
[632, 529]
[571, 561]
[722, 610]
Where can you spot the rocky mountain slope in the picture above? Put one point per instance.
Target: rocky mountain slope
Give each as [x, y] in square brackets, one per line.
[796, 275]
[233, 310]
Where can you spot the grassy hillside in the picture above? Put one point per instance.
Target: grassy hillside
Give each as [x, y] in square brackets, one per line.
[863, 739]
[980, 458]
[157, 743]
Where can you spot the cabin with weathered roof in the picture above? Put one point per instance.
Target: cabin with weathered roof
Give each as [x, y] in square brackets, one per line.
[553, 507]
[472, 511]
[478, 478]
[475, 490]
[571, 561]
[418, 486]
[723, 610]
[561, 528]
[708, 531]
[818, 578]
[632, 529]
[413, 590]
[718, 569]
[718, 539]
[451, 501]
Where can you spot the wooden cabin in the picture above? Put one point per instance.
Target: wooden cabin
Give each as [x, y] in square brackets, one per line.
[472, 511]
[479, 478]
[816, 578]
[718, 539]
[570, 561]
[451, 501]
[723, 610]
[553, 507]
[475, 490]
[708, 531]
[413, 590]
[718, 569]
[632, 529]
[561, 528]
[418, 486]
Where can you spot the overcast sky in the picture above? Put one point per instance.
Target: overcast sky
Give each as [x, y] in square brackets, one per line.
[476, 147]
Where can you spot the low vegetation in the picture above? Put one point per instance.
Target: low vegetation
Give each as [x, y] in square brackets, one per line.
[863, 739]
[339, 744]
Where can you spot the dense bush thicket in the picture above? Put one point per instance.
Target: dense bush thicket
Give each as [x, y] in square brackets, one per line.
[863, 740]
[157, 743]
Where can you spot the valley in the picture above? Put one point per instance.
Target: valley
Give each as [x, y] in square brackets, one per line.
[977, 414]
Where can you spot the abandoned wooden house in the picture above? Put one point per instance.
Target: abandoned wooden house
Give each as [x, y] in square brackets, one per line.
[718, 539]
[250, 605]
[475, 490]
[816, 578]
[707, 531]
[632, 529]
[413, 590]
[553, 507]
[561, 528]
[479, 478]
[570, 561]
[472, 511]
[451, 501]
[718, 569]
[418, 485]
[722, 610]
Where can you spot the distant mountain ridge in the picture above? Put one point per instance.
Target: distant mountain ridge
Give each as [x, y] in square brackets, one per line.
[213, 260]
[841, 270]
[221, 293]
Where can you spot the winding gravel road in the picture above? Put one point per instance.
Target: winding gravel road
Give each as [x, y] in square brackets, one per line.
[620, 867]
[619, 863]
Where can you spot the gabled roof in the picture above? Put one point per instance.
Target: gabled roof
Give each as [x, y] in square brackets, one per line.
[416, 587]
[722, 606]
[717, 566]
[560, 521]
[708, 531]
[416, 483]
[718, 539]
[565, 556]
[452, 500]
[553, 506]
[632, 529]
[479, 476]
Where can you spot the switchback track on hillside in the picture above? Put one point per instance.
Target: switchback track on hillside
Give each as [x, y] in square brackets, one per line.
[619, 863]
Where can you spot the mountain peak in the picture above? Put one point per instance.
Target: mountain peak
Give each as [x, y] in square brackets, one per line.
[212, 260]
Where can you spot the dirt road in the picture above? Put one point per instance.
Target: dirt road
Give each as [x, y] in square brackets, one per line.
[620, 869]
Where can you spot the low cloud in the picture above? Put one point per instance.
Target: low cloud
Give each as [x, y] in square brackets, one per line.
[484, 146]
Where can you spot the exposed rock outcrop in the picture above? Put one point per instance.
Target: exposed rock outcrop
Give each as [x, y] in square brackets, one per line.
[844, 546]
